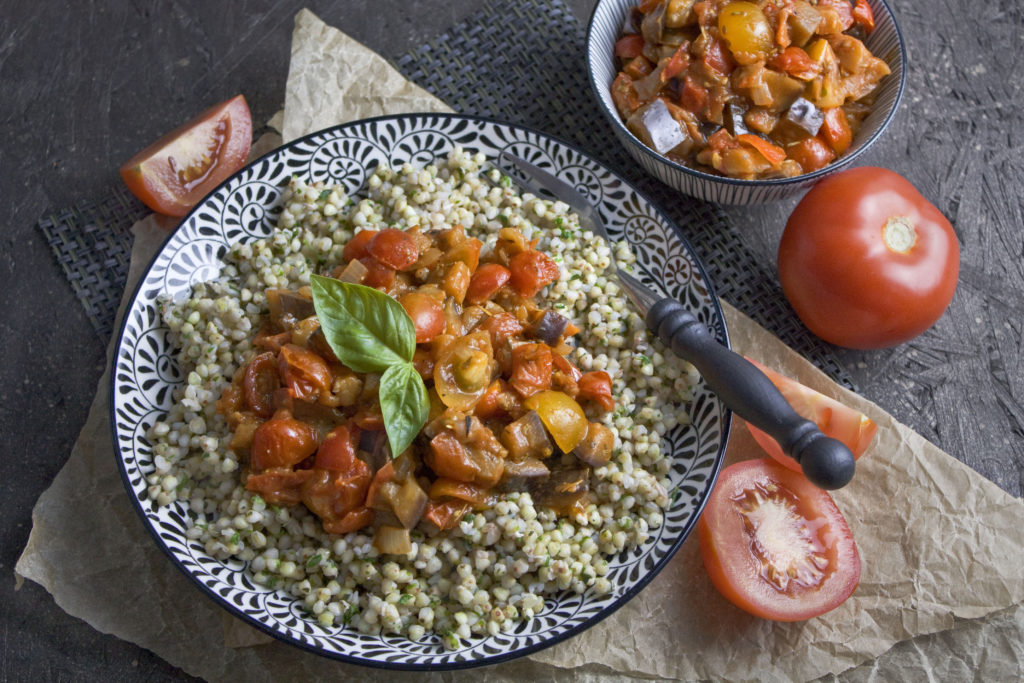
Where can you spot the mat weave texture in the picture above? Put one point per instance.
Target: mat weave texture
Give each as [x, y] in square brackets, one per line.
[520, 61]
[92, 242]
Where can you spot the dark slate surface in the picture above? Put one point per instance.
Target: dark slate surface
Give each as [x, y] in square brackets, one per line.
[86, 84]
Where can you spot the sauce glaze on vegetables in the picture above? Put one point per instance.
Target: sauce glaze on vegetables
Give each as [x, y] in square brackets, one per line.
[750, 90]
[503, 395]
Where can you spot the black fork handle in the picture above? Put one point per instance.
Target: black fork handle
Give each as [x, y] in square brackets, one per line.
[741, 386]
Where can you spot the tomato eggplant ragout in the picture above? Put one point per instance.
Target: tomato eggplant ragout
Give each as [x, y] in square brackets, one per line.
[750, 90]
[539, 454]
[502, 393]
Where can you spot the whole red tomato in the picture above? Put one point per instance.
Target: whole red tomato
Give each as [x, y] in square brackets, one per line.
[866, 261]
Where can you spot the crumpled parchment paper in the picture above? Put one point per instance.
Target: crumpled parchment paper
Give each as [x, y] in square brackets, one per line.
[942, 548]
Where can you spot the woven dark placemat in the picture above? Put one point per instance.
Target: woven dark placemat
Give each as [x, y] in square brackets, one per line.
[521, 61]
[92, 242]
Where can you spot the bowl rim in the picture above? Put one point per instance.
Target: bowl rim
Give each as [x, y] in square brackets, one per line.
[620, 126]
[223, 603]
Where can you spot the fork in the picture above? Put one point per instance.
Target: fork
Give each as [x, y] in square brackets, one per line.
[740, 385]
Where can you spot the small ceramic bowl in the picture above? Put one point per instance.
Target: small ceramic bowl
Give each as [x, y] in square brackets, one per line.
[606, 22]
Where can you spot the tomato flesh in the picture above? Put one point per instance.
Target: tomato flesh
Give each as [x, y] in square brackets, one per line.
[853, 428]
[775, 545]
[175, 172]
[866, 261]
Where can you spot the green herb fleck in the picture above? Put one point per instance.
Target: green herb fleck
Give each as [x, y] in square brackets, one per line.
[503, 219]
[324, 194]
[235, 538]
[469, 517]
[182, 484]
[349, 614]
[576, 276]
[405, 599]
[506, 181]
[313, 561]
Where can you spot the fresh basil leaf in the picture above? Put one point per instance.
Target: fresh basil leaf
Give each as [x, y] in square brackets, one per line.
[404, 405]
[367, 330]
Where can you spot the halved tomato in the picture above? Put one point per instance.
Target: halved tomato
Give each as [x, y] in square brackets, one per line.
[853, 428]
[775, 545]
[175, 172]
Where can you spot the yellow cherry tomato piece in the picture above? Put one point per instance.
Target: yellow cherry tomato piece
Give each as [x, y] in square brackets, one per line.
[562, 416]
[744, 28]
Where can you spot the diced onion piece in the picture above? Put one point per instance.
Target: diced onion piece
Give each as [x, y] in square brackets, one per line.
[391, 540]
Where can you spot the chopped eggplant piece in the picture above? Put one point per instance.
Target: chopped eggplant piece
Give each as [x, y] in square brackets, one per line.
[523, 474]
[527, 438]
[385, 498]
[654, 125]
[596, 447]
[564, 491]
[287, 308]
[802, 22]
[734, 121]
[390, 540]
[410, 502]
[802, 121]
[549, 327]
[373, 448]
[647, 87]
[653, 24]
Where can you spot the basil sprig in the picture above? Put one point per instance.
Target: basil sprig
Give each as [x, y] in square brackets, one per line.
[370, 332]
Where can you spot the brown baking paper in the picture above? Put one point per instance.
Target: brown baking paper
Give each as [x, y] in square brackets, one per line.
[942, 548]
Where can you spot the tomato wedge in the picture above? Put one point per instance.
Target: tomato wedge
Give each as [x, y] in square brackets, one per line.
[852, 427]
[775, 545]
[175, 172]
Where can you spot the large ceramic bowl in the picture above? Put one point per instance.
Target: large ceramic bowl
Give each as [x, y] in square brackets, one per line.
[245, 208]
[606, 22]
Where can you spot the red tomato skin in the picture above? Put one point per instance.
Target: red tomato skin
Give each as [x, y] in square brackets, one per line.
[843, 281]
[853, 428]
[629, 46]
[394, 248]
[486, 281]
[152, 177]
[531, 271]
[426, 313]
[725, 546]
[356, 247]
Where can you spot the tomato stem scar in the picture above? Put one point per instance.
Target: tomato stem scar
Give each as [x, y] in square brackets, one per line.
[898, 234]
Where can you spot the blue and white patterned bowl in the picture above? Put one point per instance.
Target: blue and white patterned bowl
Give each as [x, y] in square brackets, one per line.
[606, 22]
[244, 208]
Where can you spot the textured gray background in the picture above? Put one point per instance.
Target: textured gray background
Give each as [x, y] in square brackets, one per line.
[86, 84]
